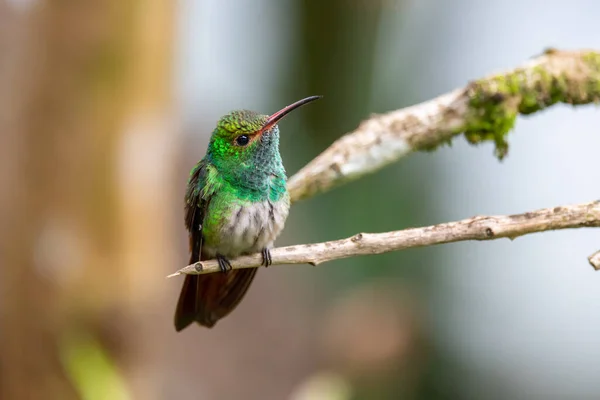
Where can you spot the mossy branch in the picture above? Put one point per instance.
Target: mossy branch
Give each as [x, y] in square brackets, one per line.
[475, 228]
[484, 110]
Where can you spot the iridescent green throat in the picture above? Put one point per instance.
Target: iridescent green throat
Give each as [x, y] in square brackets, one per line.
[254, 172]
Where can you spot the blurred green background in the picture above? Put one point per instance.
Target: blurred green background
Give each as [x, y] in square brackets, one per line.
[105, 105]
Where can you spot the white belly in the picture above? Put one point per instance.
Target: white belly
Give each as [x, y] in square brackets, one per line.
[250, 229]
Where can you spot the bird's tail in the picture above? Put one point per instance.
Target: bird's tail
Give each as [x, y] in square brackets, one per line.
[208, 298]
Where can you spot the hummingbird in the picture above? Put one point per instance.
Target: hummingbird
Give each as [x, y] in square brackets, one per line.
[236, 203]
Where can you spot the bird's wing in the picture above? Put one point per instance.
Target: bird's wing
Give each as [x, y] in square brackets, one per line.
[197, 199]
[206, 298]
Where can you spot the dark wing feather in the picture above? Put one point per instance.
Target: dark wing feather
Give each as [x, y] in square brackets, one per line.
[206, 298]
[195, 208]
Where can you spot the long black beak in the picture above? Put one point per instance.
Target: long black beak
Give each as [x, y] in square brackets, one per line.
[274, 118]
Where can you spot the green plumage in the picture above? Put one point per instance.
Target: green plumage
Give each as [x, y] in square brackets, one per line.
[236, 203]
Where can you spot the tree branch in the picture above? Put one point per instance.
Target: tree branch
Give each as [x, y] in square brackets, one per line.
[476, 228]
[594, 260]
[485, 110]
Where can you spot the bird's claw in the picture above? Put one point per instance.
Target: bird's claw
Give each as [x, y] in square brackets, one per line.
[266, 257]
[224, 264]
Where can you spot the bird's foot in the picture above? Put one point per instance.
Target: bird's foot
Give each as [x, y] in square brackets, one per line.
[266, 257]
[224, 263]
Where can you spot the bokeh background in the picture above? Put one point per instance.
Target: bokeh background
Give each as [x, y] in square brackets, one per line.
[105, 105]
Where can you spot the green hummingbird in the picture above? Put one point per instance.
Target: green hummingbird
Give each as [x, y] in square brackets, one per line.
[236, 203]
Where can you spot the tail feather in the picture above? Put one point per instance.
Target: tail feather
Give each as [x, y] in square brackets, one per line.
[185, 313]
[206, 299]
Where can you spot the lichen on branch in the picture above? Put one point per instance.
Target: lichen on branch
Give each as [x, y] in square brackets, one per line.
[485, 110]
[557, 77]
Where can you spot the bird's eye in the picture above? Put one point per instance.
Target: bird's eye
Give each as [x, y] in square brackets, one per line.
[242, 140]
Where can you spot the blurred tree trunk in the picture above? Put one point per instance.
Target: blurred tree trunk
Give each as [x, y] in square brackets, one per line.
[81, 82]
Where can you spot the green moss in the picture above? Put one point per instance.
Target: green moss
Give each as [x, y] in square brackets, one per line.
[496, 102]
[492, 115]
[592, 60]
[429, 147]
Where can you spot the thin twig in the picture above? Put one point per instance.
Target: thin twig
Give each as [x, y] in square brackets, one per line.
[476, 228]
[485, 109]
[594, 260]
